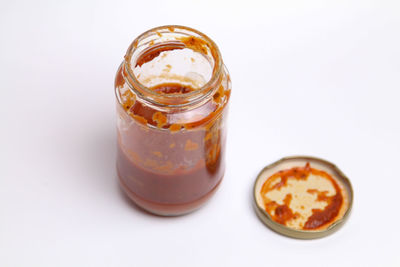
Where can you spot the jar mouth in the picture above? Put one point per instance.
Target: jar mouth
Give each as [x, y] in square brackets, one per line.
[151, 43]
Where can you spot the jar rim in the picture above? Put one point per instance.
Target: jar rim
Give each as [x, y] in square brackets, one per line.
[162, 99]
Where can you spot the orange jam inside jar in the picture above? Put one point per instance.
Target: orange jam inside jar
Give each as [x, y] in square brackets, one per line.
[172, 94]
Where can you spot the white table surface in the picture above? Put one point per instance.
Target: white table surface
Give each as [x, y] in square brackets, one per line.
[319, 78]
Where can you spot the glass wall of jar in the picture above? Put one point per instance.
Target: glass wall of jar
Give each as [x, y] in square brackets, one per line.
[172, 94]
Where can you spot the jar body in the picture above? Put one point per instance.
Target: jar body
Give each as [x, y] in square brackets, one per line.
[171, 159]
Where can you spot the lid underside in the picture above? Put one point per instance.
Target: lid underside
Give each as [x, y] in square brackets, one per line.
[278, 197]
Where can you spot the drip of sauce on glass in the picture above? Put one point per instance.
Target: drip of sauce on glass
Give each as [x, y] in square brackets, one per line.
[165, 185]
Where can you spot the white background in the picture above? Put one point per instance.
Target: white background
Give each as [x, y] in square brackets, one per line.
[319, 78]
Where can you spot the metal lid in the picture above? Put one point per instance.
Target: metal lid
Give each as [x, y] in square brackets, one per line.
[303, 197]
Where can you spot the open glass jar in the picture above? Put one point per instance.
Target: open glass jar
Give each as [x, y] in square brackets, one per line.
[172, 94]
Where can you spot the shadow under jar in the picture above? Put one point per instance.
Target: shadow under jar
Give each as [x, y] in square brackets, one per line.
[172, 94]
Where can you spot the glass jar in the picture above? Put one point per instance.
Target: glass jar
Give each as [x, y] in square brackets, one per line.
[172, 94]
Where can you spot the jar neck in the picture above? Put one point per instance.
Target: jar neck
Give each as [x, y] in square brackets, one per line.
[159, 46]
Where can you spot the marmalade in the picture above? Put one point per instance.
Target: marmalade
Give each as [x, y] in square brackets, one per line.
[172, 94]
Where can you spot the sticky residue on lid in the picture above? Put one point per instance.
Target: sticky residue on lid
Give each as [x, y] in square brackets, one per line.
[303, 195]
